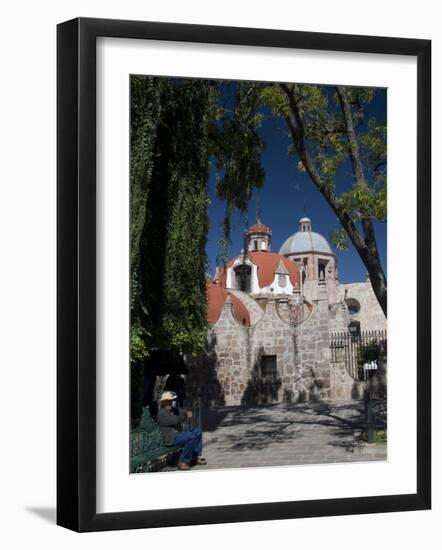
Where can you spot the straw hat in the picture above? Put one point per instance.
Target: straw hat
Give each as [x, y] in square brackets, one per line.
[168, 396]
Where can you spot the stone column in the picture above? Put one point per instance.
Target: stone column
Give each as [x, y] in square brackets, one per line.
[313, 354]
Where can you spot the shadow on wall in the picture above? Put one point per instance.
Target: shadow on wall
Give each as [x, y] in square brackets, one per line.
[357, 390]
[202, 381]
[307, 395]
[309, 387]
[288, 396]
[262, 388]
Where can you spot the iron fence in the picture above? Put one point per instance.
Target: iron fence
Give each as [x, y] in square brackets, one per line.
[361, 352]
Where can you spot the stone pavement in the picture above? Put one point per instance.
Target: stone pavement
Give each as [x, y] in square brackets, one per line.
[286, 434]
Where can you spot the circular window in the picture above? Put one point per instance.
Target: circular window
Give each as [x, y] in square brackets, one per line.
[353, 306]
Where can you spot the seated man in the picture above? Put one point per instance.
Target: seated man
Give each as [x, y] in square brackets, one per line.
[169, 424]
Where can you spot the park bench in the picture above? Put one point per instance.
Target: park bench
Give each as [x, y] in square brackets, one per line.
[148, 453]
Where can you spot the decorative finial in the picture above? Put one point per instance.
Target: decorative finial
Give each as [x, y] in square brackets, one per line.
[258, 207]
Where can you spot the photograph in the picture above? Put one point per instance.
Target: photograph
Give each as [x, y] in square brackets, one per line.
[202, 207]
[258, 274]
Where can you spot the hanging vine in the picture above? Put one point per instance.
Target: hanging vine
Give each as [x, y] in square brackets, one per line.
[237, 148]
[177, 127]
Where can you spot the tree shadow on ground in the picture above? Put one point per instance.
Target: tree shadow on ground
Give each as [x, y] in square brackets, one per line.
[342, 428]
[235, 416]
[268, 425]
[275, 433]
[212, 418]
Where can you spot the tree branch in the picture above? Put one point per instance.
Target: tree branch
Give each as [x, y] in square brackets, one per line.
[351, 135]
[294, 122]
[358, 170]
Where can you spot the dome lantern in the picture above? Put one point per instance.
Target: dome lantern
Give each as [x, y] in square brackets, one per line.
[258, 237]
[305, 224]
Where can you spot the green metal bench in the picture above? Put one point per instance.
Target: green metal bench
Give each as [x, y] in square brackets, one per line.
[148, 453]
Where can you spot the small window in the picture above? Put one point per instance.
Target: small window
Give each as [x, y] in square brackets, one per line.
[353, 306]
[255, 245]
[268, 367]
[322, 265]
[243, 275]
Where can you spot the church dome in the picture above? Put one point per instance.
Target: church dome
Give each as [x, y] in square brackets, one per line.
[259, 228]
[305, 240]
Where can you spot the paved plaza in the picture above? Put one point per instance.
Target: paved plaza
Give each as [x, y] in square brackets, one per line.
[286, 434]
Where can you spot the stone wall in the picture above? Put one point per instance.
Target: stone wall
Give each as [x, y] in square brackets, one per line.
[232, 374]
[339, 318]
[370, 314]
[343, 385]
[313, 352]
[272, 336]
[220, 378]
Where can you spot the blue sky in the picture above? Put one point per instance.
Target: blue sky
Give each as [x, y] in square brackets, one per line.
[283, 198]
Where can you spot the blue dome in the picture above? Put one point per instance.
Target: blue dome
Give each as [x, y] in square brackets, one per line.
[305, 241]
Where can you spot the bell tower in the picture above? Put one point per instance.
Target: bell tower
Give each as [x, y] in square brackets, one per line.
[258, 237]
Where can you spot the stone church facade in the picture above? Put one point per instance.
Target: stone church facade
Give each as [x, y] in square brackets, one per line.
[271, 316]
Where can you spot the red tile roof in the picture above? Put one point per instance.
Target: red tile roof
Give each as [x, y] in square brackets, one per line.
[267, 262]
[216, 296]
[259, 228]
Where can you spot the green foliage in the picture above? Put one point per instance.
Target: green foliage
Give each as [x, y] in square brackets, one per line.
[365, 202]
[184, 322]
[169, 168]
[177, 126]
[339, 238]
[273, 96]
[370, 352]
[145, 112]
[237, 147]
[139, 338]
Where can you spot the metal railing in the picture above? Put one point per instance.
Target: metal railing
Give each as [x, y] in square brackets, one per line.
[361, 352]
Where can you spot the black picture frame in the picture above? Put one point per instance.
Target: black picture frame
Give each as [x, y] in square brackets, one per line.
[76, 274]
